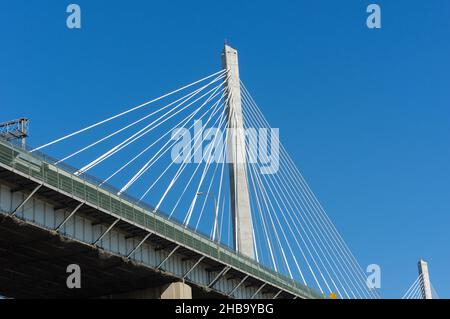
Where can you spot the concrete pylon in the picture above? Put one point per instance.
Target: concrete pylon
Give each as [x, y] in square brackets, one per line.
[425, 280]
[236, 152]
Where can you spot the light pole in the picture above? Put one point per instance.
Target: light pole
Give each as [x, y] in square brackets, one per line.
[216, 214]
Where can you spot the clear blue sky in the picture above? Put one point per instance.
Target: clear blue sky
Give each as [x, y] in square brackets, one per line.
[364, 113]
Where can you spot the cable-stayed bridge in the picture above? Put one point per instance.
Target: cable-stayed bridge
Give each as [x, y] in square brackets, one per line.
[206, 202]
[421, 288]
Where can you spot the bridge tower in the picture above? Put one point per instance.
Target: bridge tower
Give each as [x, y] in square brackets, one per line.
[425, 279]
[236, 152]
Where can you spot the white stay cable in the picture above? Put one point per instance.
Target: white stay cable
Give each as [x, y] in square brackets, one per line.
[127, 111]
[336, 239]
[148, 128]
[416, 292]
[219, 192]
[344, 253]
[298, 244]
[179, 124]
[209, 187]
[174, 160]
[257, 192]
[339, 255]
[205, 200]
[187, 97]
[280, 176]
[290, 211]
[253, 106]
[331, 233]
[189, 181]
[411, 288]
[145, 167]
[263, 224]
[187, 184]
[264, 192]
[208, 163]
[421, 293]
[253, 169]
[224, 200]
[256, 243]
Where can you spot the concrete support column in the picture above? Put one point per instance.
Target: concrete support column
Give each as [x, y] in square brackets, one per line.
[175, 290]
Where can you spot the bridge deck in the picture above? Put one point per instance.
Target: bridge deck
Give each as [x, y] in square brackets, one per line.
[23, 171]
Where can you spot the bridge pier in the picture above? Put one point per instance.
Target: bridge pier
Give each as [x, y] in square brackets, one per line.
[175, 290]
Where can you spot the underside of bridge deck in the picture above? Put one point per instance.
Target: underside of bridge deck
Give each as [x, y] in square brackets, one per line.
[33, 264]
